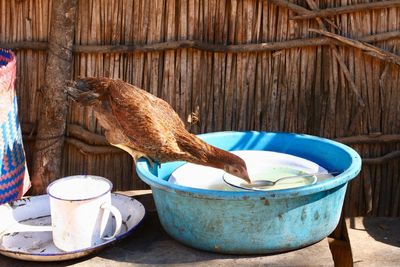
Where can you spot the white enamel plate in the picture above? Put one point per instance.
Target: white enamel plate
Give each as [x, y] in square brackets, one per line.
[38, 246]
[272, 166]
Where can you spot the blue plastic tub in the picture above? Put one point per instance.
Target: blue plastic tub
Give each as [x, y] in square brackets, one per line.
[255, 222]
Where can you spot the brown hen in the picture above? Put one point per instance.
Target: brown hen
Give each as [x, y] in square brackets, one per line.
[146, 126]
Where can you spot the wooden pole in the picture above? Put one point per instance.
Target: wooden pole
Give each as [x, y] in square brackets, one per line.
[53, 112]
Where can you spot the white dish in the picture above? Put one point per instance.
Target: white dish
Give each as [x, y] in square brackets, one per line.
[197, 176]
[285, 182]
[38, 246]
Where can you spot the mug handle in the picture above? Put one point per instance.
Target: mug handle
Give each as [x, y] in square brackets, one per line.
[118, 220]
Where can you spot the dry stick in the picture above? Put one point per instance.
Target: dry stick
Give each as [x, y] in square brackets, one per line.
[99, 149]
[296, 8]
[370, 139]
[380, 37]
[84, 141]
[34, 45]
[203, 46]
[368, 193]
[199, 45]
[339, 58]
[53, 113]
[383, 159]
[78, 132]
[92, 149]
[376, 113]
[367, 48]
[348, 9]
[88, 137]
[343, 67]
[396, 201]
[353, 87]
[347, 75]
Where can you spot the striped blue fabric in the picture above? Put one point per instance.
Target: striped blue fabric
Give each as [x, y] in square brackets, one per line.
[13, 172]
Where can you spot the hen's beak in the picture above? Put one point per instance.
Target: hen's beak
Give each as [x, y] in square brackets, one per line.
[245, 176]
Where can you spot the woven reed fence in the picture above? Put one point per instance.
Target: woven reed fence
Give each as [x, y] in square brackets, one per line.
[327, 68]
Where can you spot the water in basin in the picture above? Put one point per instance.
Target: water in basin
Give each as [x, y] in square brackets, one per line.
[260, 164]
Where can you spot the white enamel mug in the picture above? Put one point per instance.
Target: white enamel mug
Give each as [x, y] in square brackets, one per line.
[80, 212]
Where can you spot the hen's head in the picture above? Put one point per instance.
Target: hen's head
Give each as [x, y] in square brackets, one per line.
[237, 167]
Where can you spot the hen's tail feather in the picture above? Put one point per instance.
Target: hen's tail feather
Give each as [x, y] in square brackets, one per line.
[83, 91]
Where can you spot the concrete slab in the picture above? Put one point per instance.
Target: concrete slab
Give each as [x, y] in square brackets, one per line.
[150, 245]
[375, 241]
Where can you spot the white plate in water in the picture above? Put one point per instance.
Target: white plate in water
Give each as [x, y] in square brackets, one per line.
[38, 246]
[260, 165]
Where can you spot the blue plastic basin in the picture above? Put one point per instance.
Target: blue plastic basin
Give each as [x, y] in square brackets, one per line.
[255, 222]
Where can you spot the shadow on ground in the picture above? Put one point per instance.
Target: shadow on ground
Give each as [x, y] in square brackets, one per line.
[385, 230]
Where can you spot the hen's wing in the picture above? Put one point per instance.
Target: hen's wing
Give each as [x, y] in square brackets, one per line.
[147, 121]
